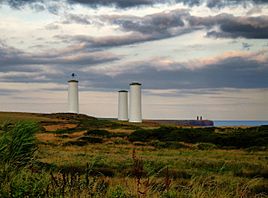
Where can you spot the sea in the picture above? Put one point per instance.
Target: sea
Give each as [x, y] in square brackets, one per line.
[240, 122]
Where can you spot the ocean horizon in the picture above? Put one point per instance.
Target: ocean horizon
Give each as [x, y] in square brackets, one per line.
[219, 123]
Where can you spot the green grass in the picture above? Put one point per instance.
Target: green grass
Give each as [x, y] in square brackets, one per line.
[15, 116]
[150, 167]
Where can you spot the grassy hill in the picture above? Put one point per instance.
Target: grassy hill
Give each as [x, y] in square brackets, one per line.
[81, 156]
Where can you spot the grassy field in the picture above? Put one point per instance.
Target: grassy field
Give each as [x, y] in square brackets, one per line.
[86, 157]
[15, 116]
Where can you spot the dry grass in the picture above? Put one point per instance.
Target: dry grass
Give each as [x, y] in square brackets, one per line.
[55, 127]
[126, 131]
[192, 172]
[50, 138]
[77, 134]
[16, 116]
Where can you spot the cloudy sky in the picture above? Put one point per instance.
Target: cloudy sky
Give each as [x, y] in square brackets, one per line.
[193, 57]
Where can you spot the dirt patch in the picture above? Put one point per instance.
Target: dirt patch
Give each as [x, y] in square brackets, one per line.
[127, 131]
[59, 126]
[77, 134]
[47, 137]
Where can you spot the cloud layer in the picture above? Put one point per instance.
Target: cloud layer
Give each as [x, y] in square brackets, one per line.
[167, 25]
[179, 50]
[136, 3]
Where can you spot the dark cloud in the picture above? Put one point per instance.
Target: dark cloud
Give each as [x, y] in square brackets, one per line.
[77, 19]
[13, 57]
[155, 24]
[177, 22]
[131, 3]
[40, 4]
[174, 23]
[5, 92]
[229, 73]
[225, 3]
[6, 51]
[96, 43]
[17, 66]
[236, 72]
[53, 6]
[230, 26]
[19, 3]
[246, 46]
[213, 92]
[45, 60]
[139, 29]
[161, 25]
[234, 27]
[117, 3]
[170, 24]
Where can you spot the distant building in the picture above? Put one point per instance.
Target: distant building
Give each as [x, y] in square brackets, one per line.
[135, 111]
[73, 97]
[123, 105]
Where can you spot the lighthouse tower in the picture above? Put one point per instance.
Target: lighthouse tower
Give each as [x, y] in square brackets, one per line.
[135, 114]
[73, 98]
[123, 105]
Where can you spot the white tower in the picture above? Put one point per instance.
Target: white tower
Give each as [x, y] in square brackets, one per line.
[73, 100]
[123, 105]
[135, 103]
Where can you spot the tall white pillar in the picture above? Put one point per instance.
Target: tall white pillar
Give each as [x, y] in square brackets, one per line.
[73, 99]
[123, 105]
[135, 103]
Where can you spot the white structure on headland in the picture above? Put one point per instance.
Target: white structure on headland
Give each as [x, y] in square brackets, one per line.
[123, 105]
[73, 98]
[135, 103]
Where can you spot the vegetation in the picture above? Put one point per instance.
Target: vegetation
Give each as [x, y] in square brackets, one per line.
[86, 157]
[230, 137]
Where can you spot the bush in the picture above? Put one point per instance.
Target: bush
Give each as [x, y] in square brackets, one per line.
[230, 137]
[206, 146]
[169, 144]
[65, 131]
[120, 141]
[99, 132]
[91, 139]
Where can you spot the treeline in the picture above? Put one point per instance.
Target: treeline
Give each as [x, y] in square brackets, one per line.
[228, 137]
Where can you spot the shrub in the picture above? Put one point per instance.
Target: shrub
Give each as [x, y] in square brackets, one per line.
[91, 139]
[169, 144]
[99, 132]
[65, 131]
[120, 141]
[237, 138]
[206, 146]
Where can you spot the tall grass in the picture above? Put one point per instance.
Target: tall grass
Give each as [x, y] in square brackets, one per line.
[17, 144]
[17, 148]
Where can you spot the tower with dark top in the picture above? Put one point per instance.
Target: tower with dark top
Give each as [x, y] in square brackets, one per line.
[123, 105]
[73, 97]
[135, 112]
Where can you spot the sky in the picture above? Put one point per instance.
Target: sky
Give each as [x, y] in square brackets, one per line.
[204, 58]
